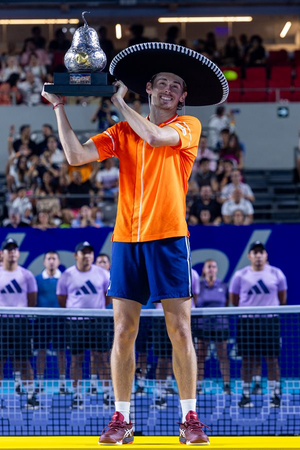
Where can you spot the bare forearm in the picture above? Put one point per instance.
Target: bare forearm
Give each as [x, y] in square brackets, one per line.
[72, 147]
[145, 129]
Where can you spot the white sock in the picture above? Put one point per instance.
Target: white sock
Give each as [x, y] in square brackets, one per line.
[199, 384]
[141, 382]
[124, 409]
[186, 406]
[257, 379]
[277, 388]
[246, 389]
[30, 389]
[17, 379]
[62, 380]
[94, 380]
[272, 384]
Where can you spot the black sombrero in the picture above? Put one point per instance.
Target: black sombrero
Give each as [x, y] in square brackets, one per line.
[136, 65]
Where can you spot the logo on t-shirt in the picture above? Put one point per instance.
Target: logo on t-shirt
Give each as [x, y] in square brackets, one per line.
[12, 288]
[259, 288]
[87, 289]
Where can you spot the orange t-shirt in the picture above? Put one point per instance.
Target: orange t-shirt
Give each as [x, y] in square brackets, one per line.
[153, 182]
[85, 171]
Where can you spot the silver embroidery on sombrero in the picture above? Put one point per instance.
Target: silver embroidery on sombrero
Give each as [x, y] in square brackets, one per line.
[178, 48]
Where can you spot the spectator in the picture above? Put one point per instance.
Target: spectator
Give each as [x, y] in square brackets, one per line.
[238, 217]
[206, 202]
[103, 260]
[29, 48]
[56, 155]
[204, 152]
[233, 151]
[11, 67]
[243, 45]
[43, 221]
[48, 203]
[25, 133]
[205, 217]
[218, 122]
[231, 53]
[85, 219]
[9, 92]
[215, 328]
[49, 329]
[18, 288]
[17, 172]
[106, 45]
[204, 176]
[224, 172]
[37, 38]
[34, 66]
[107, 179]
[47, 131]
[172, 34]
[224, 139]
[22, 204]
[76, 187]
[14, 220]
[259, 284]
[236, 182]
[137, 31]
[237, 202]
[67, 218]
[60, 43]
[106, 118]
[211, 46]
[31, 89]
[255, 54]
[84, 285]
[49, 182]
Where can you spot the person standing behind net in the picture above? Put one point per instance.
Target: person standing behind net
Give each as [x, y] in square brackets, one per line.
[253, 286]
[151, 253]
[213, 294]
[50, 329]
[84, 285]
[18, 289]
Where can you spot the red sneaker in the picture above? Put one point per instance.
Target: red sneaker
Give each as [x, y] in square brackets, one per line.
[191, 431]
[117, 432]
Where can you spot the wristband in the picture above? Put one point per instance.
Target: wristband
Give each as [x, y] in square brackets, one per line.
[57, 104]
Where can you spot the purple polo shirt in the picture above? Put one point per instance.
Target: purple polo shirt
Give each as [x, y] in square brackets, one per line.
[213, 297]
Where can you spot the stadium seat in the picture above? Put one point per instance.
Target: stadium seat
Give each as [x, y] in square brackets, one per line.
[254, 85]
[278, 58]
[280, 83]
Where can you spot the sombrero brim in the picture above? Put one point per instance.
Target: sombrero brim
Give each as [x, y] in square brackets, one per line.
[136, 65]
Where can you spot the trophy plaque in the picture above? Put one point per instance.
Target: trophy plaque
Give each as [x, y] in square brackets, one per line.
[84, 61]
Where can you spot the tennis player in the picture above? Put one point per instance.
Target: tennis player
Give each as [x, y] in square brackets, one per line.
[156, 156]
[259, 284]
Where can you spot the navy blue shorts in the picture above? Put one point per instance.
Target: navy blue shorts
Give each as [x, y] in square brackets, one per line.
[156, 269]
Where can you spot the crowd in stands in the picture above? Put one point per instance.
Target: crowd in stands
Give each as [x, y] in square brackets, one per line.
[43, 191]
[23, 72]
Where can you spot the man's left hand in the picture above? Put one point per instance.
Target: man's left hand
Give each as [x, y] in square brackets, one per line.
[120, 94]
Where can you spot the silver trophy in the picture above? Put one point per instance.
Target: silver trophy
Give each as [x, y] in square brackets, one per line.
[84, 61]
[85, 53]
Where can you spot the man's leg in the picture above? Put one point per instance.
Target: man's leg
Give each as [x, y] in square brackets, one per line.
[126, 324]
[178, 322]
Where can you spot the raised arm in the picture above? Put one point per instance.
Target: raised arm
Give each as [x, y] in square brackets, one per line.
[76, 153]
[149, 132]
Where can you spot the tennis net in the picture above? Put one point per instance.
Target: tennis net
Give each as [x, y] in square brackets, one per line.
[55, 374]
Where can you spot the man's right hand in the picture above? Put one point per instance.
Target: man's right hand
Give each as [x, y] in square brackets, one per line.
[52, 98]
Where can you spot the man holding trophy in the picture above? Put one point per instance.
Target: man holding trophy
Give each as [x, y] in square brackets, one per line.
[156, 155]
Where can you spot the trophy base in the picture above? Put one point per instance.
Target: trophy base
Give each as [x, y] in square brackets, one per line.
[81, 84]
